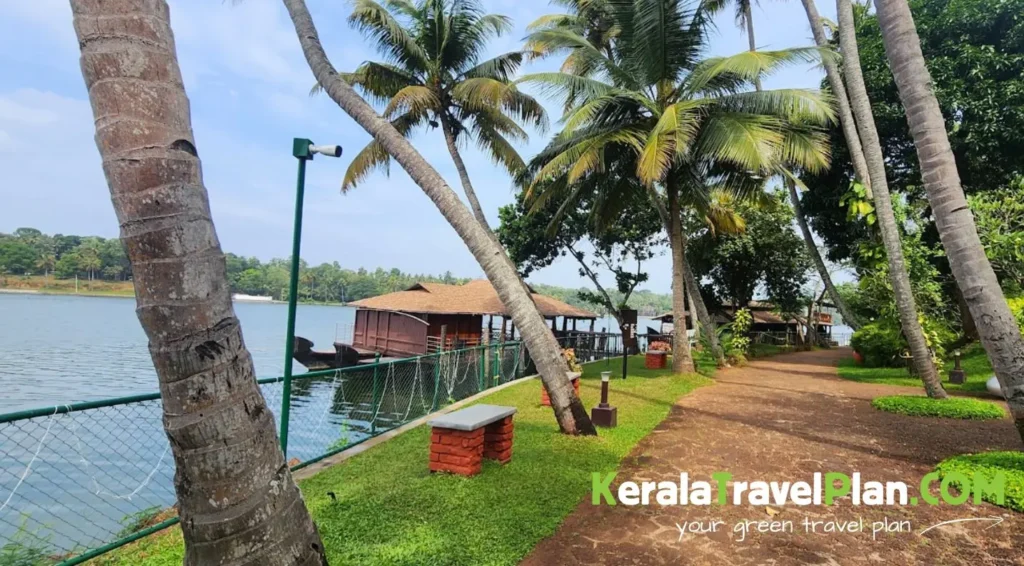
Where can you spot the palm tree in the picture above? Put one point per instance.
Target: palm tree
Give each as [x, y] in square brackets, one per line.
[434, 76]
[999, 334]
[594, 21]
[745, 20]
[544, 350]
[861, 105]
[691, 122]
[235, 493]
[46, 262]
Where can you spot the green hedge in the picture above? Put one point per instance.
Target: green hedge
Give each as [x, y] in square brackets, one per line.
[1011, 464]
[880, 344]
[950, 408]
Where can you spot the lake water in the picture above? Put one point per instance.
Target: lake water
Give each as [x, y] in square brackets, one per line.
[57, 349]
[68, 481]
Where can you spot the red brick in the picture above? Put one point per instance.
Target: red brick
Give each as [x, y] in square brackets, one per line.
[456, 450]
[435, 457]
[435, 437]
[502, 429]
[497, 437]
[460, 460]
[459, 433]
[498, 446]
[503, 456]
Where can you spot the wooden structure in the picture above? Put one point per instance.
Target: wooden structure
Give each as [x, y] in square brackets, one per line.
[430, 317]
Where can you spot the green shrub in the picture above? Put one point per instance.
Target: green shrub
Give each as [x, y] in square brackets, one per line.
[1010, 464]
[880, 344]
[1017, 308]
[950, 408]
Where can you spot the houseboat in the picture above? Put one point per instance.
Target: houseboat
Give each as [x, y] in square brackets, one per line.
[431, 317]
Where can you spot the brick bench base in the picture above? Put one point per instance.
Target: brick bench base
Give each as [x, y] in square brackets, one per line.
[545, 399]
[462, 452]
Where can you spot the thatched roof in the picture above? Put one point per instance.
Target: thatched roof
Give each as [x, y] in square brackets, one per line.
[476, 297]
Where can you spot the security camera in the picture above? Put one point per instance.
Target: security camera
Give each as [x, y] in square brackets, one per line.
[328, 150]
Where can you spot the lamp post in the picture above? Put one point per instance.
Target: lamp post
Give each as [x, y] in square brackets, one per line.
[604, 414]
[956, 375]
[303, 150]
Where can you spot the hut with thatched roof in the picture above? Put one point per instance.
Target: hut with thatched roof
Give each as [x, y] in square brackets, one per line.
[428, 317]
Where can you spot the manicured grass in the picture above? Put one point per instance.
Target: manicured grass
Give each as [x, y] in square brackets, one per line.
[950, 408]
[1010, 464]
[974, 363]
[391, 511]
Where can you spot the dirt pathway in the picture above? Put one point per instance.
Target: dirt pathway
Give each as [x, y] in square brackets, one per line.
[782, 419]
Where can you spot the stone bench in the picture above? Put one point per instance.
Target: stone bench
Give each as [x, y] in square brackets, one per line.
[460, 440]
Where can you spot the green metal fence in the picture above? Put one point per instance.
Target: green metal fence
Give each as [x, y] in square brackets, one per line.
[79, 480]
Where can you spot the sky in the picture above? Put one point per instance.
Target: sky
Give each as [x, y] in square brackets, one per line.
[249, 90]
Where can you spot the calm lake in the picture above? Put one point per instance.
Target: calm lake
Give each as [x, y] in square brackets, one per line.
[74, 481]
[57, 349]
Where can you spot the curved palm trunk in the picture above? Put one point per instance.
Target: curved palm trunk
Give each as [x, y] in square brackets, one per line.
[846, 119]
[460, 166]
[572, 416]
[703, 316]
[236, 497]
[749, 17]
[682, 361]
[848, 317]
[883, 204]
[974, 275]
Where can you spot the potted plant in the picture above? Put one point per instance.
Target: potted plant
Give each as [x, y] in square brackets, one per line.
[657, 355]
[574, 373]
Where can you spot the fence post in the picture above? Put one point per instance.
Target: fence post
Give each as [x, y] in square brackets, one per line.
[481, 364]
[376, 393]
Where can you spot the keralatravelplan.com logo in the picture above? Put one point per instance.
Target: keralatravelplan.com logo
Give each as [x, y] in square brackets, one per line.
[822, 489]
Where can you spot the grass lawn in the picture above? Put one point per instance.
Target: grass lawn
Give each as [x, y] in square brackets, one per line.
[989, 464]
[950, 408]
[391, 510]
[974, 363]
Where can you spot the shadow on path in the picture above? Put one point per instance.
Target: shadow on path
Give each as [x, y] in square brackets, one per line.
[783, 419]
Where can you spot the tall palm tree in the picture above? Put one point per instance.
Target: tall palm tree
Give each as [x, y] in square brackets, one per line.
[861, 105]
[235, 494]
[594, 21]
[745, 20]
[434, 75]
[691, 122]
[999, 332]
[569, 411]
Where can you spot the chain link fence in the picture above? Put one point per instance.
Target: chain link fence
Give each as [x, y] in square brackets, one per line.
[79, 480]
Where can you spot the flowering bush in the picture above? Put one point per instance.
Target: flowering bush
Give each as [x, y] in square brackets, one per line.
[570, 358]
[659, 347]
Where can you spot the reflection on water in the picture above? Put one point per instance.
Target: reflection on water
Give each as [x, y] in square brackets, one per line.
[72, 479]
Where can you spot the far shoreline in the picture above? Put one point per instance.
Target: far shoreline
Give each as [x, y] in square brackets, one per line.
[117, 295]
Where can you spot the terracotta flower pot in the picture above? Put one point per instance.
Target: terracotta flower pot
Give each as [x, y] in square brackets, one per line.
[656, 360]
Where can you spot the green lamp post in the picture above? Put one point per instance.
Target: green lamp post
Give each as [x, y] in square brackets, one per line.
[303, 150]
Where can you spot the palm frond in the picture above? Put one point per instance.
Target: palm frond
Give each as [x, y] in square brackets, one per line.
[750, 65]
[670, 139]
[501, 68]
[806, 148]
[374, 156]
[387, 33]
[415, 100]
[492, 142]
[796, 105]
[747, 141]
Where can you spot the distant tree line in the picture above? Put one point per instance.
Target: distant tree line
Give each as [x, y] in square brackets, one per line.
[28, 251]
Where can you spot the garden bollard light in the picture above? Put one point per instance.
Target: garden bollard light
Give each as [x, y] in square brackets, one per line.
[604, 415]
[956, 375]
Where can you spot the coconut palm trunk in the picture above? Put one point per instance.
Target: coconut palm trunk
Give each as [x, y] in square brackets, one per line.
[460, 166]
[236, 497]
[999, 332]
[904, 296]
[794, 197]
[835, 81]
[698, 305]
[848, 317]
[682, 361]
[569, 411]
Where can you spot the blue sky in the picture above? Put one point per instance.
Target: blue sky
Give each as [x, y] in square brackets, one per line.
[248, 85]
